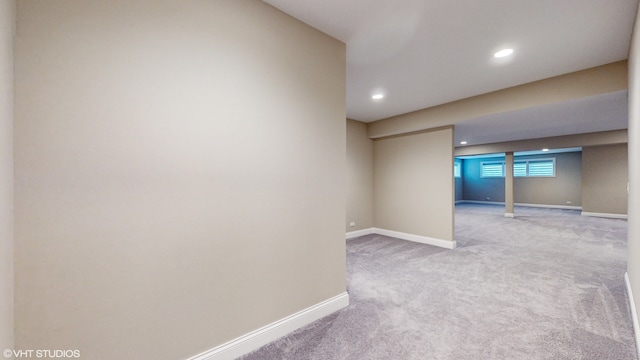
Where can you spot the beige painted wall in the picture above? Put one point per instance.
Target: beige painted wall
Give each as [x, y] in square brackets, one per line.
[633, 267]
[180, 173]
[477, 188]
[604, 179]
[598, 80]
[359, 177]
[7, 21]
[413, 189]
[558, 190]
[564, 189]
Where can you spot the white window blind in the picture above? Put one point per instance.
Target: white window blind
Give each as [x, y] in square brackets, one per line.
[545, 167]
[492, 169]
[520, 168]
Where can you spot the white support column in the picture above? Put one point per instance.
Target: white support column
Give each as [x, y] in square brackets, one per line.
[508, 185]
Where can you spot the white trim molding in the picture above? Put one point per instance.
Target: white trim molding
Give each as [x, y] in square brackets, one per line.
[509, 215]
[255, 339]
[447, 244]
[634, 314]
[479, 202]
[363, 232]
[566, 207]
[604, 215]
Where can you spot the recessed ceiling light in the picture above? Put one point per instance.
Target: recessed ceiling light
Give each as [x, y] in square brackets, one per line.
[463, 143]
[503, 53]
[545, 149]
[377, 96]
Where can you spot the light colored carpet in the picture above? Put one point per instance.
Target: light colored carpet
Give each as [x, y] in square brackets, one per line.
[548, 284]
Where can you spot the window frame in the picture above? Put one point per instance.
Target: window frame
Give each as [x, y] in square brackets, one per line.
[553, 161]
[527, 172]
[526, 168]
[482, 167]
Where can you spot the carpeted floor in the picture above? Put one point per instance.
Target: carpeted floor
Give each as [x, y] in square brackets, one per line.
[548, 284]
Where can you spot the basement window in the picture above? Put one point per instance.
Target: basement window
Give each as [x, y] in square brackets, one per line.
[541, 167]
[535, 168]
[492, 169]
[521, 168]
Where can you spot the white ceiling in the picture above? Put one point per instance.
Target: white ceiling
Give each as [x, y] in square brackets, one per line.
[423, 53]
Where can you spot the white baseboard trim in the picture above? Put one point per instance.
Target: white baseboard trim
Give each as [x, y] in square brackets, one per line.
[363, 232]
[417, 238]
[634, 314]
[604, 215]
[255, 339]
[480, 202]
[566, 207]
[509, 215]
